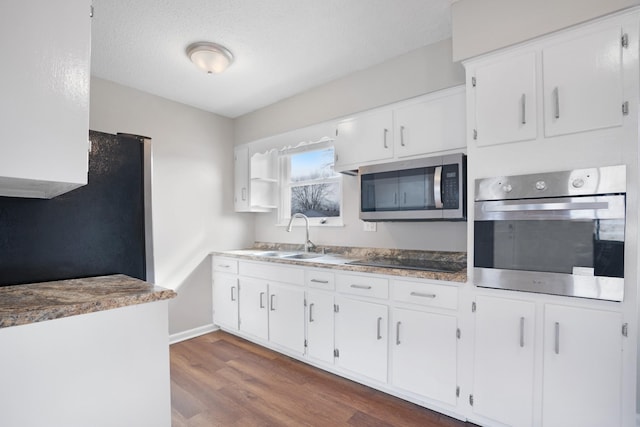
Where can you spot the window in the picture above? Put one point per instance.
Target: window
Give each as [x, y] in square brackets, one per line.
[311, 186]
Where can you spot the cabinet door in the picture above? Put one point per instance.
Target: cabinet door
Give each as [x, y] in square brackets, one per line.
[504, 360]
[364, 139]
[286, 316]
[583, 83]
[253, 307]
[320, 326]
[44, 123]
[505, 107]
[431, 126]
[424, 353]
[582, 367]
[361, 337]
[225, 300]
[241, 171]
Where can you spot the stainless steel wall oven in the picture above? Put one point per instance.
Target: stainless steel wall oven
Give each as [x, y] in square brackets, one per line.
[557, 233]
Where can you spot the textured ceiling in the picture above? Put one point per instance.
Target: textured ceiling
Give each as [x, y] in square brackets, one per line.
[281, 47]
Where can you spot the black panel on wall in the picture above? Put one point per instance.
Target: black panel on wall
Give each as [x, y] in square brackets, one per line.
[94, 230]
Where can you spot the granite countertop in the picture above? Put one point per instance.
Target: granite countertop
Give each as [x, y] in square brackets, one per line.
[37, 302]
[337, 258]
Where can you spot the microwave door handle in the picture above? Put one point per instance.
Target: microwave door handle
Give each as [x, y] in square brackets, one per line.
[437, 186]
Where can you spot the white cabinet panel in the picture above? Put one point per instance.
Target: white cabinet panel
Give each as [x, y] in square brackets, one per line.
[582, 367]
[253, 307]
[583, 83]
[364, 138]
[361, 337]
[362, 285]
[433, 125]
[505, 100]
[504, 360]
[286, 316]
[241, 183]
[44, 107]
[320, 321]
[424, 354]
[225, 300]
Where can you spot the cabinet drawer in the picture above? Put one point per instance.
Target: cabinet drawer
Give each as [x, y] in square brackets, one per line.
[320, 279]
[428, 294]
[226, 265]
[368, 286]
[272, 272]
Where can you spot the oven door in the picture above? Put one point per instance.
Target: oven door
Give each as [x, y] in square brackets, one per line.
[564, 246]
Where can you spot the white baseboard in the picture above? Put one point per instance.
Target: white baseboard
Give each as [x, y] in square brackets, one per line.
[192, 333]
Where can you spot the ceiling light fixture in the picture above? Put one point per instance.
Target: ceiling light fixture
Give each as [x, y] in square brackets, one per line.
[210, 57]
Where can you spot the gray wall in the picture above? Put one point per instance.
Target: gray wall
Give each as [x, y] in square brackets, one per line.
[192, 191]
[480, 26]
[420, 71]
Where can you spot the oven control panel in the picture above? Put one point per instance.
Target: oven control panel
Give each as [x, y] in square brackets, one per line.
[578, 182]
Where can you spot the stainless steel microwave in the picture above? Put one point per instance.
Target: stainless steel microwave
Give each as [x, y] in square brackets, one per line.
[432, 188]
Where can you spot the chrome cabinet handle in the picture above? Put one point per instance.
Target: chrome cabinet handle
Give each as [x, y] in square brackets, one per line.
[523, 104]
[319, 281]
[386, 131]
[522, 332]
[261, 299]
[398, 333]
[556, 102]
[437, 191]
[353, 285]
[244, 193]
[233, 298]
[402, 136]
[379, 334]
[311, 312]
[422, 294]
[272, 302]
[224, 265]
[557, 343]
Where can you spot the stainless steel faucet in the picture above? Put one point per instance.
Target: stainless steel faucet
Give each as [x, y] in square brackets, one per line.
[308, 245]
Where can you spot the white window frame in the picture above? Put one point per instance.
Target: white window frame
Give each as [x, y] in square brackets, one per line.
[284, 208]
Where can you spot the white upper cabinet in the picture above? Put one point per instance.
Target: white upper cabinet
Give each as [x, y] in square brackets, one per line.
[44, 120]
[434, 124]
[583, 82]
[505, 100]
[256, 180]
[429, 124]
[241, 173]
[562, 84]
[365, 138]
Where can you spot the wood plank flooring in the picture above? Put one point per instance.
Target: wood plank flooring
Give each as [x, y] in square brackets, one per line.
[221, 380]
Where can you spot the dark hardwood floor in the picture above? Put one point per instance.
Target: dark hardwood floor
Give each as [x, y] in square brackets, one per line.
[221, 380]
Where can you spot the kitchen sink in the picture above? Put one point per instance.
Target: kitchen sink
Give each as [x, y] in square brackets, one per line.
[302, 256]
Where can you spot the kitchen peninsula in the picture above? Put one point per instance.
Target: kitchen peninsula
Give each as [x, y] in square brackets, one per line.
[91, 351]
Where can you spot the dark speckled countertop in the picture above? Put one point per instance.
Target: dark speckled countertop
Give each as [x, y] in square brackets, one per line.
[37, 302]
[337, 258]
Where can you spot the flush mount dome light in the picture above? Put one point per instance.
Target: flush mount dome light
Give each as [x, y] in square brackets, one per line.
[210, 57]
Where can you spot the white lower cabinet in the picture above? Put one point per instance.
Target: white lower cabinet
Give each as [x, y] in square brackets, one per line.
[423, 353]
[225, 300]
[254, 310]
[504, 360]
[286, 311]
[361, 337]
[580, 364]
[582, 380]
[320, 315]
